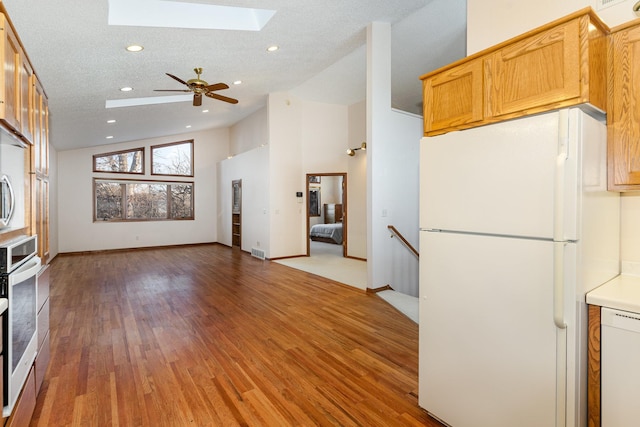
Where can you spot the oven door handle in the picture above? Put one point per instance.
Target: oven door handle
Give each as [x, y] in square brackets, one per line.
[28, 269]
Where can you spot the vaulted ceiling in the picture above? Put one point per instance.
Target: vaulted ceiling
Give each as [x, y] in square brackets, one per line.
[82, 61]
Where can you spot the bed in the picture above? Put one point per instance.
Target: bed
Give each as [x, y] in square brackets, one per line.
[331, 230]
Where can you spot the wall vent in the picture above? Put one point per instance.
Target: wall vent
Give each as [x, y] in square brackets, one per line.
[258, 253]
[603, 4]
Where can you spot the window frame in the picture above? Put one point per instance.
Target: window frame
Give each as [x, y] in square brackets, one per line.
[113, 153]
[124, 182]
[160, 146]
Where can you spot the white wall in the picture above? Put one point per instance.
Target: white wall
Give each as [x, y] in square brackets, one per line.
[324, 137]
[490, 22]
[293, 138]
[392, 173]
[304, 137]
[331, 190]
[357, 183]
[252, 167]
[249, 141]
[286, 176]
[78, 232]
[249, 133]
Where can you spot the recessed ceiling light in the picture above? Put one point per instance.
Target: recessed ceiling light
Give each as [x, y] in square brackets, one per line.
[205, 111]
[272, 48]
[110, 137]
[188, 126]
[237, 82]
[135, 48]
[111, 121]
[126, 89]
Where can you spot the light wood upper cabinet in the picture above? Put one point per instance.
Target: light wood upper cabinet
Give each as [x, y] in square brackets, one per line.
[25, 93]
[557, 65]
[41, 129]
[10, 77]
[541, 69]
[454, 97]
[17, 98]
[624, 114]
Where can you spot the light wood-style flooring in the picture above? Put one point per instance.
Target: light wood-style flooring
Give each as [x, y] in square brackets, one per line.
[207, 335]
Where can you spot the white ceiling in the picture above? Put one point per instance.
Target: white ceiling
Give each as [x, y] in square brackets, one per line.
[82, 61]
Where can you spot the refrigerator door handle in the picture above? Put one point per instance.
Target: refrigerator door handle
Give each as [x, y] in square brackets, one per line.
[560, 177]
[558, 220]
[558, 285]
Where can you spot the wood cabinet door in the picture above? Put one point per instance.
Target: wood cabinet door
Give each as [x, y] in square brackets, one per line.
[25, 93]
[453, 98]
[624, 112]
[10, 106]
[540, 70]
[41, 127]
[44, 139]
[42, 216]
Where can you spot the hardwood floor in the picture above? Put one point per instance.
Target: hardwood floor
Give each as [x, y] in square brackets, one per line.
[210, 336]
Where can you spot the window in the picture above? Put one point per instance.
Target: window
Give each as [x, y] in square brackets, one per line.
[129, 200]
[175, 159]
[127, 161]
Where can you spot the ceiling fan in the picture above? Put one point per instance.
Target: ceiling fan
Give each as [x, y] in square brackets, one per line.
[199, 87]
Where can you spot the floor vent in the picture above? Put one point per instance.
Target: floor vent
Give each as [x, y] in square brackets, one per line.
[258, 253]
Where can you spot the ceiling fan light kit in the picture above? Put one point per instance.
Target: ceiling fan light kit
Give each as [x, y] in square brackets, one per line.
[200, 87]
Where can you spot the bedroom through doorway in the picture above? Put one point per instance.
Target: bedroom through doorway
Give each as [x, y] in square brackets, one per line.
[327, 214]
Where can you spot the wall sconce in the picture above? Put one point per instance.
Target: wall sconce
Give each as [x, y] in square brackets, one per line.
[352, 151]
[636, 8]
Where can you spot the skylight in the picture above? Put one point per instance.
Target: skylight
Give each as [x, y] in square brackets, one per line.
[132, 102]
[161, 13]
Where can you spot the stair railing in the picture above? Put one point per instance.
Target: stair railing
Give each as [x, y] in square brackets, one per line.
[395, 233]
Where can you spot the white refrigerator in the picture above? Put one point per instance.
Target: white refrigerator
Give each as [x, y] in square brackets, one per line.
[516, 226]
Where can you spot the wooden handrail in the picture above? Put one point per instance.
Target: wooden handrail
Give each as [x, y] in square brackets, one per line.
[394, 231]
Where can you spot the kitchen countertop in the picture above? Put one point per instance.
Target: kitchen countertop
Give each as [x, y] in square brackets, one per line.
[4, 303]
[620, 293]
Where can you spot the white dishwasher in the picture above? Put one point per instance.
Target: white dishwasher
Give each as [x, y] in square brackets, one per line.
[620, 368]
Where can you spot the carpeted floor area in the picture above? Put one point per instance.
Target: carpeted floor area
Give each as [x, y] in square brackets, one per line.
[404, 303]
[326, 260]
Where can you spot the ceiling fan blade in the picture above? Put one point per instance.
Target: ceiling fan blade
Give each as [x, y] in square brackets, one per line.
[171, 90]
[217, 86]
[197, 99]
[221, 98]
[177, 78]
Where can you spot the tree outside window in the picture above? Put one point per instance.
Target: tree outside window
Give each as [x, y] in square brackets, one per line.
[126, 161]
[174, 159]
[128, 200]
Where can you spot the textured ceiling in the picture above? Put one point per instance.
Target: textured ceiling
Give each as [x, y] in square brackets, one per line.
[82, 61]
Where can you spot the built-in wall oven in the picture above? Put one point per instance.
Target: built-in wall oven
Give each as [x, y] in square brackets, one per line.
[19, 267]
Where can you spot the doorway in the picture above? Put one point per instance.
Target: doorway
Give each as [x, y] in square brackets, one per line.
[236, 213]
[327, 210]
